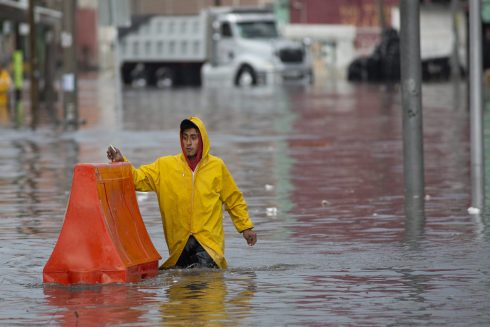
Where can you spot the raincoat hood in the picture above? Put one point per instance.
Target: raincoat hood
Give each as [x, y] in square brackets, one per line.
[206, 146]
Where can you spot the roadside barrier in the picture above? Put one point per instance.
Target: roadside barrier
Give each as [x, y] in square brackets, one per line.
[103, 238]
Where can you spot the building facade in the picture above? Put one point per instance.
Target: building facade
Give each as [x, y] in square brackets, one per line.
[186, 7]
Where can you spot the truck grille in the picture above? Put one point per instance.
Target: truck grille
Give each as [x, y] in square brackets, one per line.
[291, 55]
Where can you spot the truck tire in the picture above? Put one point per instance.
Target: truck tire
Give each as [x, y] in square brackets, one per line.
[139, 75]
[246, 76]
[164, 77]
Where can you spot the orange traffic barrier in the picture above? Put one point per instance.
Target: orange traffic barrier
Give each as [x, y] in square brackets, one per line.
[103, 239]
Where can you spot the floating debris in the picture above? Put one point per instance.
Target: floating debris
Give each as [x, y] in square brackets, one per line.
[271, 211]
[141, 196]
[325, 203]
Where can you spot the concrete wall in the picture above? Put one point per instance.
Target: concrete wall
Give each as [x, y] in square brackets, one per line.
[359, 13]
[332, 46]
[86, 29]
[185, 7]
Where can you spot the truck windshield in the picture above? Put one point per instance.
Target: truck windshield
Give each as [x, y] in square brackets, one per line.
[257, 30]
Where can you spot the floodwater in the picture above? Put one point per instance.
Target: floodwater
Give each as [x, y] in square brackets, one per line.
[321, 169]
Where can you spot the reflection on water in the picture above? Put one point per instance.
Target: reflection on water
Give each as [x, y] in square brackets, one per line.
[322, 172]
[106, 305]
[4, 116]
[207, 298]
[414, 225]
[199, 297]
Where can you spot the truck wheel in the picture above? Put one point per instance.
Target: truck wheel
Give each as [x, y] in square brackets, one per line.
[164, 77]
[246, 76]
[139, 75]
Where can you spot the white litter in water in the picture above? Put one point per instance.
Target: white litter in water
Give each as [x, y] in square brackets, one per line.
[141, 196]
[269, 187]
[325, 203]
[473, 211]
[271, 211]
[427, 197]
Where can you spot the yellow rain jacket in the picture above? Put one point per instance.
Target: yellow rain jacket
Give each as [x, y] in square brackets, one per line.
[191, 203]
[5, 85]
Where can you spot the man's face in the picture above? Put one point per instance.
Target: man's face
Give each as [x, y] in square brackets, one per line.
[190, 140]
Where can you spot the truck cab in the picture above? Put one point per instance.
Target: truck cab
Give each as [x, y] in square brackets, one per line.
[246, 49]
[221, 44]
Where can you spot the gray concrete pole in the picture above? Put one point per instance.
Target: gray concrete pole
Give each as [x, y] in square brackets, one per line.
[455, 65]
[50, 74]
[476, 105]
[413, 150]
[70, 80]
[381, 14]
[117, 58]
[34, 68]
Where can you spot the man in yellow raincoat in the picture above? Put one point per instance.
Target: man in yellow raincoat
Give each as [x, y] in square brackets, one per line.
[191, 188]
[5, 85]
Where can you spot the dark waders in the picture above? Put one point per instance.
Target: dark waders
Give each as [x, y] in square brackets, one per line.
[194, 256]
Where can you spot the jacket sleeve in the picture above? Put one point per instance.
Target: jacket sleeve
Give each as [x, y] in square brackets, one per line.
[234, 202]
[147, 177]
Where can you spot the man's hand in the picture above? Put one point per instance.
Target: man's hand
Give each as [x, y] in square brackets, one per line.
[250, 236]
[114, 155]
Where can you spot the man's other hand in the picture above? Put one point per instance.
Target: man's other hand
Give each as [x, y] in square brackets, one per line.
[250, 236]
[114, 154]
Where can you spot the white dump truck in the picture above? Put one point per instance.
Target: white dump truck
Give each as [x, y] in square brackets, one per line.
[235, 46]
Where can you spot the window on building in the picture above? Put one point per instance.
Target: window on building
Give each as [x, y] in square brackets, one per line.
[136, 48]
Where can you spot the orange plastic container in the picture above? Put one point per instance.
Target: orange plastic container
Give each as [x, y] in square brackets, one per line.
[103, 239]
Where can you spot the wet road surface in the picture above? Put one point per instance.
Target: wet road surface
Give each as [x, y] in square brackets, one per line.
[321, 169]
